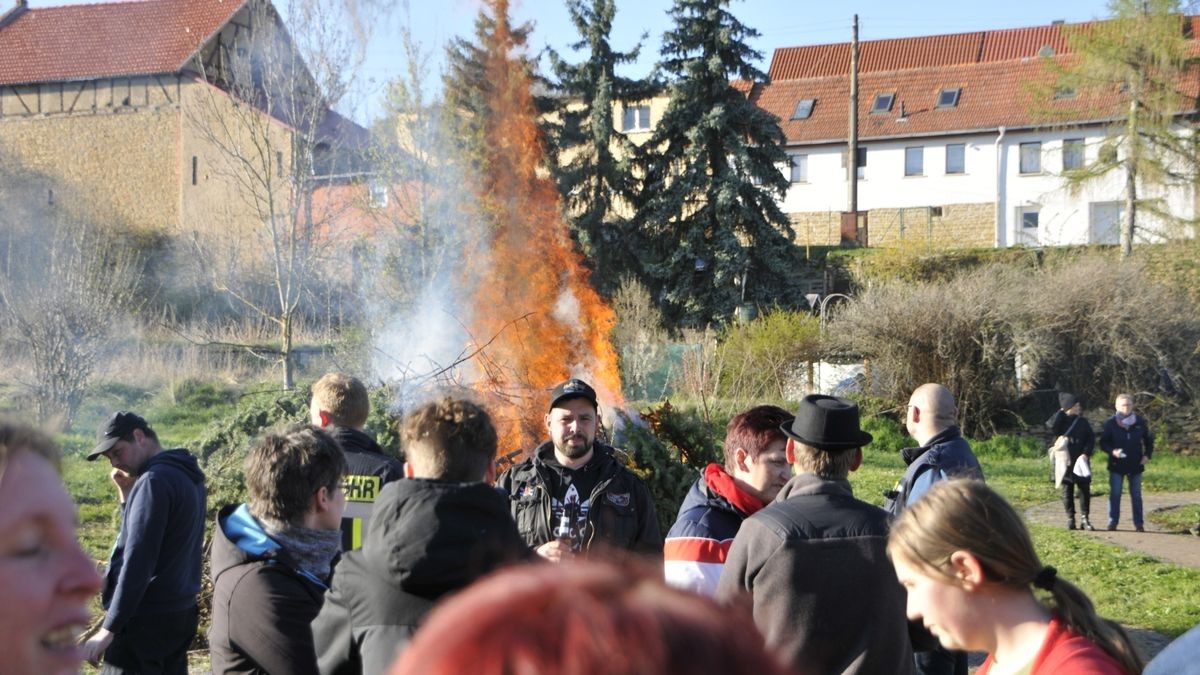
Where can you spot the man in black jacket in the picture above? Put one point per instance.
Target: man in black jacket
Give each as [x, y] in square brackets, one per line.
[154, 570]
[271, 558]
[436, 531]
[814, 561]
[572, 493]
[340, 405]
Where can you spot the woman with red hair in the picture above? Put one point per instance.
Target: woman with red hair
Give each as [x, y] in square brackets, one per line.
[582, 619]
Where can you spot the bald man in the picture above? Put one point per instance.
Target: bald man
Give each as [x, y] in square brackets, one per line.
[932, 420]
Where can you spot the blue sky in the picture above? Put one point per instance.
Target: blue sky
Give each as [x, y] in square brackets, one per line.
[782, 23]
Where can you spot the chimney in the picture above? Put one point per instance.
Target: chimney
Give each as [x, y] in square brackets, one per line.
[8, 17]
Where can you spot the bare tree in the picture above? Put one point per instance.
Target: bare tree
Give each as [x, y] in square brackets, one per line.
[66, 290]
[290, 162]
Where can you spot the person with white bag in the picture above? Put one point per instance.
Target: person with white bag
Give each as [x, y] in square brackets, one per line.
[1072, 452]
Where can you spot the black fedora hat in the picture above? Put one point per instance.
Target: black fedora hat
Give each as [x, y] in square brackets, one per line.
[827, 423]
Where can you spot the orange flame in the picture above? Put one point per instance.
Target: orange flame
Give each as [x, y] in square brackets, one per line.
[549, 322]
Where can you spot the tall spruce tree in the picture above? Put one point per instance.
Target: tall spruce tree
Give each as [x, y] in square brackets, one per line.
[709, 222]
[1136, 69]
[466, 80]
[590, 159]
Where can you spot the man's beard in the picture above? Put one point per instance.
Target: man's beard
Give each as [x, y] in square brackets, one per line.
[574, 450]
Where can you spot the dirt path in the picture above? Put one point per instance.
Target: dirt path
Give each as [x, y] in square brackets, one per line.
[1181, 549]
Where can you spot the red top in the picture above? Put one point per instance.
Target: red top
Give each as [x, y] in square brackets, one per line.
[1065, 652]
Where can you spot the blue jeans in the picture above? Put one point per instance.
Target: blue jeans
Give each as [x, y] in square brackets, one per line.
[1114, 497]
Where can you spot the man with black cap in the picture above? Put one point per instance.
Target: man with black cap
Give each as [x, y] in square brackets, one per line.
[154, 570]
[572, 493]
[823, 592]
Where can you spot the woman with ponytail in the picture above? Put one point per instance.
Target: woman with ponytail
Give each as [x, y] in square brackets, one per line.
[970, 569]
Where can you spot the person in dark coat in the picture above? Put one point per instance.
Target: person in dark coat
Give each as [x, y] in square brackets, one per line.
[1069, 421]
[435, 532]
[814, 562]
[572, 493]
[153, 574]
[755, 470]
[1129, 443]
[272, 557]
[340, 405]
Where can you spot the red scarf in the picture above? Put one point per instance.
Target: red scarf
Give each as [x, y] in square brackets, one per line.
[720, 482]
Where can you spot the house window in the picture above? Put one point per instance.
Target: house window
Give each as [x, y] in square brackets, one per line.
[636, 118]
[948, 98]
[804, 109]
[799, 171]
[278, 162]
[956, 158]
[1072, 154]
[1064, 93]
[1029, 218]
[195, 169]
[914, 161]
[377, 194]
[1031, 157]
[883, 102]
[862, 161]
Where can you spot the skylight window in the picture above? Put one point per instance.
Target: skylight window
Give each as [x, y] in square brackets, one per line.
[948, 98]
[804, 109]
[883, 102]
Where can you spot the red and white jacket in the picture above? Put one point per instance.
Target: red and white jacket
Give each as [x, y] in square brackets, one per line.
[709, 518]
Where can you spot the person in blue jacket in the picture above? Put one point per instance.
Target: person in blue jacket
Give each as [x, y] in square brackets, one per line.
[153, 575]
[1129, 443]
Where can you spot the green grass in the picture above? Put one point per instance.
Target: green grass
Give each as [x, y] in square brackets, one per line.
[1127, 587]
[1178, 519]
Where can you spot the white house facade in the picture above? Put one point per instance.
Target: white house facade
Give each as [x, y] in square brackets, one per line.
[954, 147]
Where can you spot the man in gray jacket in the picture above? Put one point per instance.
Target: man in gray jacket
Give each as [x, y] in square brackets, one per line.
[823, 591]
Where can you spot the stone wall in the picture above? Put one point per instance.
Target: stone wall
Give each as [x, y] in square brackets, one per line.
[116, 168]
[957, 226]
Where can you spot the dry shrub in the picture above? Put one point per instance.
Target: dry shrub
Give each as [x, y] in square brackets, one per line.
[1097, 328]
[951, 333]
[639, 336]
[1085, 325]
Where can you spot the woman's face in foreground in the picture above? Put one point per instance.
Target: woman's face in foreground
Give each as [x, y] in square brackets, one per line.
[46, 580]
[942, 605]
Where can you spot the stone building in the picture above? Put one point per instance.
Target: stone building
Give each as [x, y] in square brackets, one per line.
[171, 115]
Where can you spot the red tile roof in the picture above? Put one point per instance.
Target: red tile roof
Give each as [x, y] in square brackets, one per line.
[84, 42]
[994, 69]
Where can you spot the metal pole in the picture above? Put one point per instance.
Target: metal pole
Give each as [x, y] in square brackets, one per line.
[852, 143]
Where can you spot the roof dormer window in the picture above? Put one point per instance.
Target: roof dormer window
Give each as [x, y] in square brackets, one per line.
[883, 102]
[948, 98]
[804, 109]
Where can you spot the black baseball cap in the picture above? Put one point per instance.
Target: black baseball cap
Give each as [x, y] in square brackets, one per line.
[573, 388]
[120, 425]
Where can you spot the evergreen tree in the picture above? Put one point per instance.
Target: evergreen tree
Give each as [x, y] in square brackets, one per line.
[589, 157]
[1131, 69]
[469, 88]
[710, 222]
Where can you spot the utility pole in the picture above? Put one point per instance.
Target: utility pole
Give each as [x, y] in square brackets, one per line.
[852, 143]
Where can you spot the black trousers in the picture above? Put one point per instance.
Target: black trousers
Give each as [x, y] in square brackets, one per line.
[152, 645]
[1085, 496]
